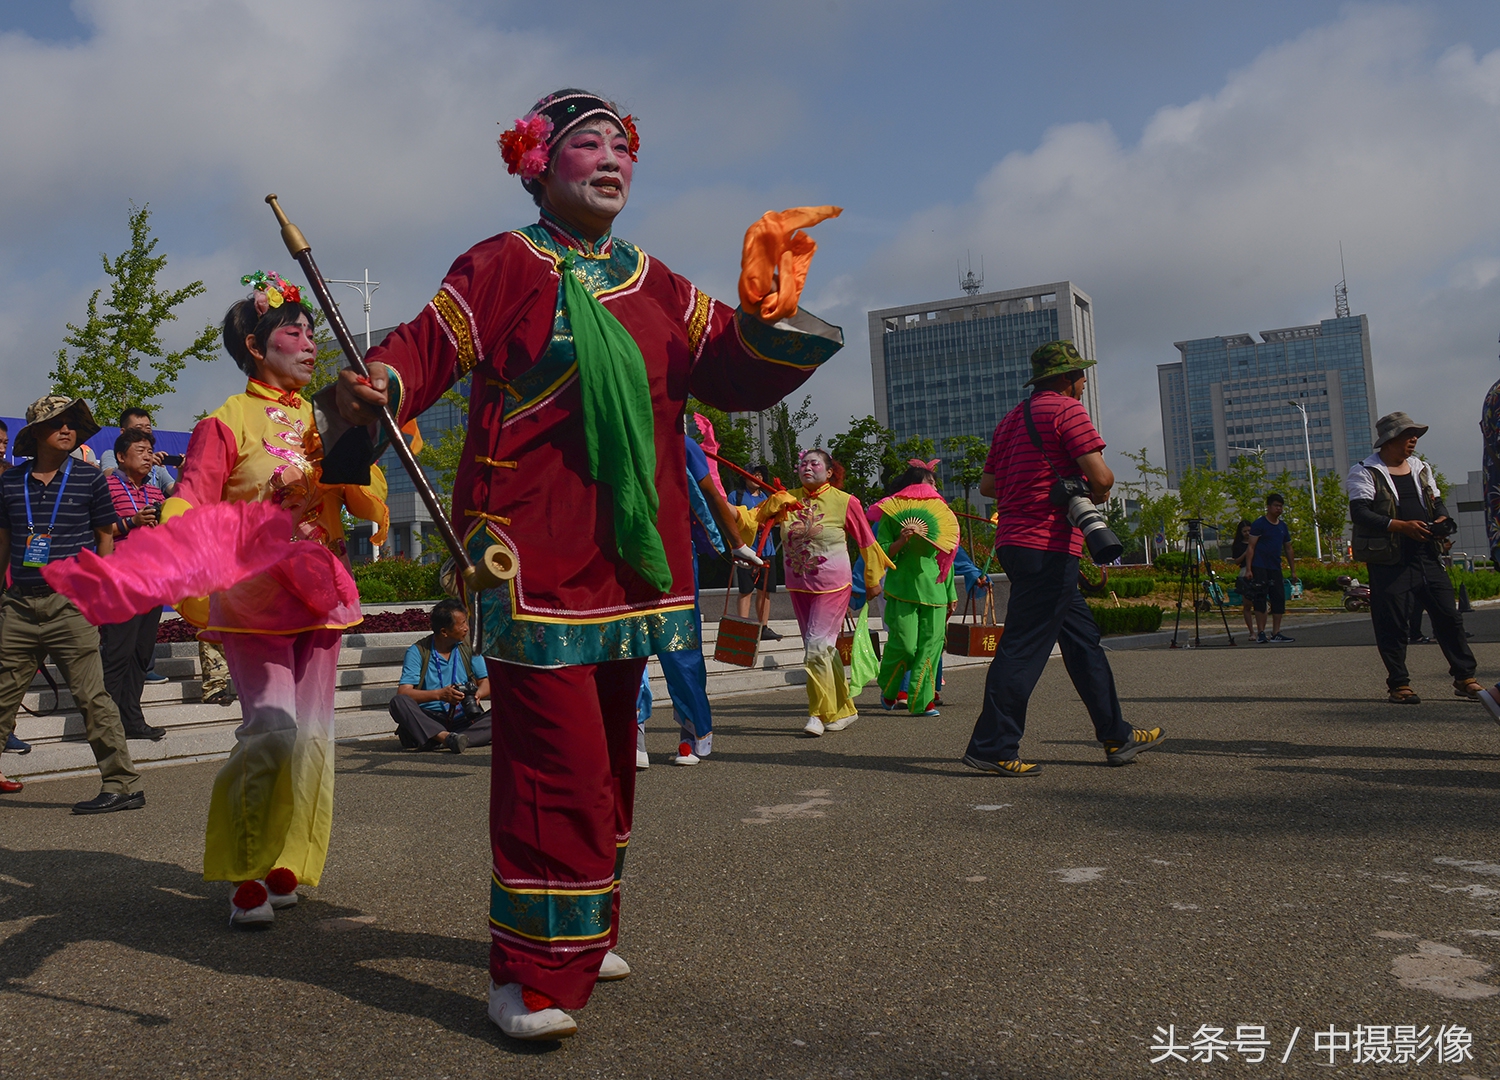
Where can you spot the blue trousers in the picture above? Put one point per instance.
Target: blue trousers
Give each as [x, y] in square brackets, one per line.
[1045, 608]
[687, 679]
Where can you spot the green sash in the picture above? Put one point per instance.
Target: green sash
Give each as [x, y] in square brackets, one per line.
[619, 425]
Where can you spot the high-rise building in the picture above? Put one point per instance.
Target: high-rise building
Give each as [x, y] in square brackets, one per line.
[955, 367]
[1229, 396]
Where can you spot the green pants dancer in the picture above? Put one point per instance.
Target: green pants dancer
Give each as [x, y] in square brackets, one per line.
[920, 534]
[915, 645]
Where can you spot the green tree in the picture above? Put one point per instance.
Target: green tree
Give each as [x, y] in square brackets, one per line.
[895, 460]
[444, 455]
[1245, 483]
[1160, 510]
[735, 441]
[785, 438]
[861, 450]
[965, 462]
[110, 346]
[1203, 495]
[1333, 511]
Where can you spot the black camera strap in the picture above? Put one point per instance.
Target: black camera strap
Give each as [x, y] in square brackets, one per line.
[1036, 436]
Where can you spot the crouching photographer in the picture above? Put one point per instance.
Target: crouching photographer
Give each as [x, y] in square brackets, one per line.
[1046, 472]
[437, 703]
[1399, 518]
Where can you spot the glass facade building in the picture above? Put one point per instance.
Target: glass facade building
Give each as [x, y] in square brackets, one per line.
[957, 366]
[411, 531]
[1229, 396]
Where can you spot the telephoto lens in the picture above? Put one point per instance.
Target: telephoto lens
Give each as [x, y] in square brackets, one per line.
[1073, 493]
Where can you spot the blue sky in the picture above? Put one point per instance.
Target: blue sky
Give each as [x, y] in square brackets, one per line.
[1192, 166]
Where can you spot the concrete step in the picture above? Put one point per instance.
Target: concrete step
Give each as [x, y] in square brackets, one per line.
[369, 667]
[53, 760]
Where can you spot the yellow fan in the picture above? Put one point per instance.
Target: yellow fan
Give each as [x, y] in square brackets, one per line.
[938, 525]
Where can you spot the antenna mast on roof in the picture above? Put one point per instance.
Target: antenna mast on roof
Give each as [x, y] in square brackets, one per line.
[1341, 290]
[968, 282]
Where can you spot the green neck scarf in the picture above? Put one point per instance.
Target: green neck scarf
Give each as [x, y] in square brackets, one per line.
[619, 426]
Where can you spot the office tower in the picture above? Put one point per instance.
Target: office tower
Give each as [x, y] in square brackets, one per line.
[1229, 396]
[957, 366]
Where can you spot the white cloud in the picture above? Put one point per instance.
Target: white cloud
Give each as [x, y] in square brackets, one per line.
[1227, 213]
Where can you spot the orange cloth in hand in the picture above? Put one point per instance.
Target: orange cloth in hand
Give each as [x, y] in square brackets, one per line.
[773, 265]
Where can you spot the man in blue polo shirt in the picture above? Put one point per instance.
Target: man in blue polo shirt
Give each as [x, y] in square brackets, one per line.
[51, 509]
[1269, 539]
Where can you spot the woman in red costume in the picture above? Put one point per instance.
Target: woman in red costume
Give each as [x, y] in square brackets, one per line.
[582, 351]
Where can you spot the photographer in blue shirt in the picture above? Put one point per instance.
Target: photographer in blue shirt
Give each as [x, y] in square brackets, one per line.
[442, 683]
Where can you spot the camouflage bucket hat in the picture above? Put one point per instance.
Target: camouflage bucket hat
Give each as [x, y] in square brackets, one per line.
[1056, 358]
[52, 407]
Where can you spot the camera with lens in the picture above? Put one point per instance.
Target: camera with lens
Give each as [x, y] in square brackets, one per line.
[471, 709]
[1074, 495]
[1440, 529]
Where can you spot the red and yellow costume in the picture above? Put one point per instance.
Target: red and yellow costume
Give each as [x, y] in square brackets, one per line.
[272, 802]
[567, 639]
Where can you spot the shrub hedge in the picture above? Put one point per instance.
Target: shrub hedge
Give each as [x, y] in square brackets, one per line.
[392, 581]
[1127, 619]
[1131, 586]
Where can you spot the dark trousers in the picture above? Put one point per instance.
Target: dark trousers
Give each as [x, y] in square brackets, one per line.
[127, 649]
[416, 727]
[1045, 608]
[1395, 591]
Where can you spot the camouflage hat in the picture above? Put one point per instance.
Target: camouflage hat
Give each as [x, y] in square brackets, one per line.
[1056, 358]
[52, 407]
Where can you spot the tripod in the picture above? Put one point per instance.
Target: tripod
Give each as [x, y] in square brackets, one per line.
[1200, 584]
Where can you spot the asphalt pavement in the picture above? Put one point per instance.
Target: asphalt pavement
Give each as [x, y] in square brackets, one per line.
[1299, 856]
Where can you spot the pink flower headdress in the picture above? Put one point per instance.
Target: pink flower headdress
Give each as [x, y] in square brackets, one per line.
[930, 466]
[524, 147]
[272, 290]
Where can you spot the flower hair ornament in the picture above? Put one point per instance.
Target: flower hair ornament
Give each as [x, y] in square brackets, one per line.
[272, 290]
[930, 466]
[524, 147]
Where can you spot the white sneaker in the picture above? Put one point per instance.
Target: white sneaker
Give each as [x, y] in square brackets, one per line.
[704, 746]
[814, 726]
[253, 914]
[1487, 698]
[614, 967]
[684, 755]
[841, 724]
[642, 760]
[510, 1014]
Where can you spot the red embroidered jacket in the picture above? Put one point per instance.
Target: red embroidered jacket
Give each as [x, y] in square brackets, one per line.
[499, 317]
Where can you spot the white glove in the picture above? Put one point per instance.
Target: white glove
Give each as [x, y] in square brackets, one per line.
[745, 556]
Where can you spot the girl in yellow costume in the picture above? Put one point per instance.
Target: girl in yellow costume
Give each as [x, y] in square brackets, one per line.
[818, 575]
[272, 804]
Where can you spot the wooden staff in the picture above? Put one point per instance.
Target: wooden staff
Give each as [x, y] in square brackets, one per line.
[499, 562]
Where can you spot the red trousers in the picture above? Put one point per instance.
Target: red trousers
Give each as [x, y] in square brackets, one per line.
[562, 789]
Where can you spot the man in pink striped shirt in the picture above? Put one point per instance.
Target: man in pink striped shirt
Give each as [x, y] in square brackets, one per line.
[1045, 438]
[128, 646]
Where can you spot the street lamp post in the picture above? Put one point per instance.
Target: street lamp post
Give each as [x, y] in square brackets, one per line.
[1312, 480]
[366, 289]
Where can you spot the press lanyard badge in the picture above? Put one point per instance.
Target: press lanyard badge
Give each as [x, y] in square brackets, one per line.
[39, 545]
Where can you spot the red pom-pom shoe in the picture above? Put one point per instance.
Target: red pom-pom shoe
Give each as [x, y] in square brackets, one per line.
[281, 884]
[250, 906]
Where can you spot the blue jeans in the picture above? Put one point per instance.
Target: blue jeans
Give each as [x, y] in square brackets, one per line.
[687, 679]
[1045, 608]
